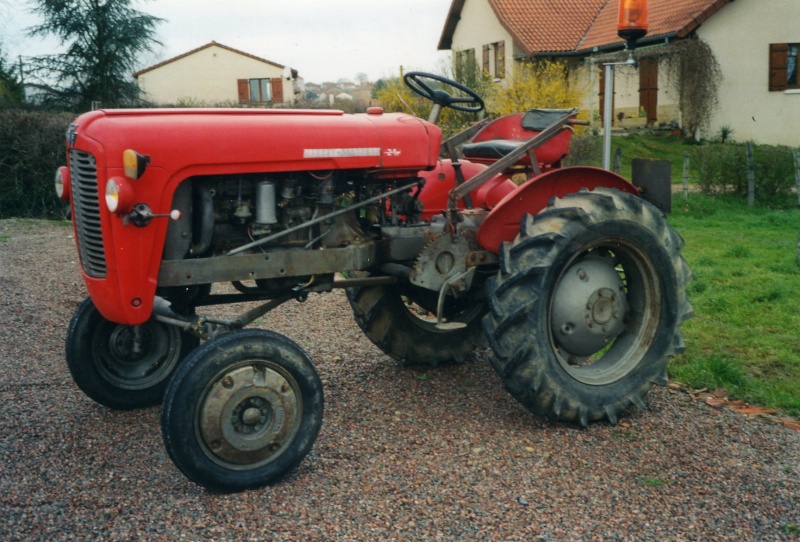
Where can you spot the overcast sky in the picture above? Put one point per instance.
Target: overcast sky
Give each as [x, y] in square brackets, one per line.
[324, 40]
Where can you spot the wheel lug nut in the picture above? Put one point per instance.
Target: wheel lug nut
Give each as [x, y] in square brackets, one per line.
[227, 382]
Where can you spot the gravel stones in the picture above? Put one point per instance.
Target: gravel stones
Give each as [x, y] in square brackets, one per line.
[404, 454]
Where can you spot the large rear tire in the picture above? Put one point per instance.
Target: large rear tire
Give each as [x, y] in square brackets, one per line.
[123, 367]
[399, 320]
[586, 308]
[242, 411]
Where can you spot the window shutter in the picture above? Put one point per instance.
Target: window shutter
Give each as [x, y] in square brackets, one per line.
[486, 67]
[277, 90]
[778, 64]
[471, 62]
[244, 90]
[500, 59]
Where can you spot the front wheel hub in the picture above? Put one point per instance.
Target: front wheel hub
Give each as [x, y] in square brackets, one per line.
[588, 307]
[250, 415]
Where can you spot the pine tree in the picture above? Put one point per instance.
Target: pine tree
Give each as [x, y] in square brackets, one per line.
[103, 39]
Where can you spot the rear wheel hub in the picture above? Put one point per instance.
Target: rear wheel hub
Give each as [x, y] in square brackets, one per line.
[588, 307]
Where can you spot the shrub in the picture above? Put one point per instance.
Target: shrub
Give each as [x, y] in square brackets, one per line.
[31, 149]
[543, 84]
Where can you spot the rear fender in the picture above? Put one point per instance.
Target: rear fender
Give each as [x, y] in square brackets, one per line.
[504, 220]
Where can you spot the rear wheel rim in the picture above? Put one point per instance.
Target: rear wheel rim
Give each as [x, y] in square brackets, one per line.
[618, 317]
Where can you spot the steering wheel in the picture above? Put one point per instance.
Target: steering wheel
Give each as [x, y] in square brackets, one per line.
[471, 103]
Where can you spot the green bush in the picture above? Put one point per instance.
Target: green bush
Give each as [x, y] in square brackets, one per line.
[722, 169]
[32, 147]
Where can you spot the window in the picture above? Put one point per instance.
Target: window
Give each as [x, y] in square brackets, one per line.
[783, 66]
[260, 90]
[494, 56]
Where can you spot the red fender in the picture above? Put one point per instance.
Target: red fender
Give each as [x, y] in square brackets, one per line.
[503, 222]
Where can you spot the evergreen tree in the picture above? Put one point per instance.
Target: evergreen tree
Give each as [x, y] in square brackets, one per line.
[103, 40]
[10, 86]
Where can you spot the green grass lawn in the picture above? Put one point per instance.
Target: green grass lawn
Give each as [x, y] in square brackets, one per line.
[745, 335]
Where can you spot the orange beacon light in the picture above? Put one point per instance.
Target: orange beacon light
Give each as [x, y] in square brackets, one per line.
[632, 24]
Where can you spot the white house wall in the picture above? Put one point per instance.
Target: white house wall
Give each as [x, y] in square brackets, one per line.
[480, 26]
[208, 76]
[745, 103]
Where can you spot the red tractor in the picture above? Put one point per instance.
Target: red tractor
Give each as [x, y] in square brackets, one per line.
[575, 281]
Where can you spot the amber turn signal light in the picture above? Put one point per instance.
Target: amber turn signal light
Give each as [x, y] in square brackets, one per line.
[134, 164]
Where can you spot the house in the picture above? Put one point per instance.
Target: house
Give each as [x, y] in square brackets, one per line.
[216, 74]
[751, 45]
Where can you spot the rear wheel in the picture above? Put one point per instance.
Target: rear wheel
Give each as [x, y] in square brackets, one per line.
[242, 411]
[401, 321]
[587, 306]
[119, 366]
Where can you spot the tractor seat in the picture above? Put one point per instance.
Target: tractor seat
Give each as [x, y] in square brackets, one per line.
[507, 133]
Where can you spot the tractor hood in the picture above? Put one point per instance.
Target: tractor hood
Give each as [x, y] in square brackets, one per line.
[185, 142]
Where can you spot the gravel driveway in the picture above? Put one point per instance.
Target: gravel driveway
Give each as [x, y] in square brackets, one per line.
[403, 454]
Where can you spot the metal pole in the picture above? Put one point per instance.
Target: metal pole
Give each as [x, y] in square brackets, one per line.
[608, 116]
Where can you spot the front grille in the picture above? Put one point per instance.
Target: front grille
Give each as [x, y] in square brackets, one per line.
[86, 202]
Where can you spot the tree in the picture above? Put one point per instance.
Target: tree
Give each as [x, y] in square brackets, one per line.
[10, 85]
[103, 40]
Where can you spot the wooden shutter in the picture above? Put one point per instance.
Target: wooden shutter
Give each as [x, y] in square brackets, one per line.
[277, 90]
[244, 90]
[778, 64]
[500, 59]
[486, 67]
[648, 88]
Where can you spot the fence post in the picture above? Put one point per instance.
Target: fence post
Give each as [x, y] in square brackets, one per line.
[796, 155]
[617, 160]
[685, 175]
[751, 176]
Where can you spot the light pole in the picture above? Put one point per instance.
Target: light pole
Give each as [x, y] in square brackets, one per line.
[631, 26]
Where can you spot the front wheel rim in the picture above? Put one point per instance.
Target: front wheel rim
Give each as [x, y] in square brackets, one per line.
[135, 357]
[618, 315]
[249, 415]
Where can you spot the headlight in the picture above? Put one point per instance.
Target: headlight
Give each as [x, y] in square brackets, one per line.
[62, 183]
[119, 195]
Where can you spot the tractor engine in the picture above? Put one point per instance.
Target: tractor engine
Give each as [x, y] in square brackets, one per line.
[220, 214]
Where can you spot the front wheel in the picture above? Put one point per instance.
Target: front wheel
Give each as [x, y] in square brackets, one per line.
[242, 411]
[123, 367]
[587, 306]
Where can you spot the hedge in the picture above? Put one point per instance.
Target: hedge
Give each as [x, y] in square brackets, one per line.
[32, 147]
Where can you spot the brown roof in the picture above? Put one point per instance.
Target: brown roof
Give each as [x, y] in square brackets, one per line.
[563, 26]
[206, 46]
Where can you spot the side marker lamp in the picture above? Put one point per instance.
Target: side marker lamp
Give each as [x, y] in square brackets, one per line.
[62, 183]
[134, 164]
